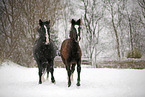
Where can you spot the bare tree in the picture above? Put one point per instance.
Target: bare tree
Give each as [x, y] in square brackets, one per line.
[19, 21]
[9, 33]
[142, 22]
[92, 16]
[135, 26]
[111, 6]
[122, 26]
[137, 29]
[142, 5]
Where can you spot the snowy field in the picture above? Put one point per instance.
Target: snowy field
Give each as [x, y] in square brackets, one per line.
[17, 81]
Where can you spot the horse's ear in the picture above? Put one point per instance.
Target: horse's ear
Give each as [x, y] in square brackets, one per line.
[40, 22]
[48, 22]
[79, 22]
[73, 21]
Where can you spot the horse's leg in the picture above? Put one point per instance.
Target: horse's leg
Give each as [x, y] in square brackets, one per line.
[40, 75]
[79, 71]
[51, 71]
[72, 71]
[42, 67]
[39, 71]
[68, 73]
[47, 71]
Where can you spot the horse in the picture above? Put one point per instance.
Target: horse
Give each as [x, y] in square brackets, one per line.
[70, 51]
[44, 51]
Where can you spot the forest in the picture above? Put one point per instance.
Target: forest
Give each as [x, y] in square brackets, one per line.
[111, 29]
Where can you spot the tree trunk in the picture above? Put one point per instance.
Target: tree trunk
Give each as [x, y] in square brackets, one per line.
[116, 33]
[130, 32]
[117, 40]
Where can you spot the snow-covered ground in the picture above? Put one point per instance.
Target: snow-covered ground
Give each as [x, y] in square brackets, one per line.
[17, 81]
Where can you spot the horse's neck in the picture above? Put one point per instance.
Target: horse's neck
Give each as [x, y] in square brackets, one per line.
[42, 41]
[73, 43]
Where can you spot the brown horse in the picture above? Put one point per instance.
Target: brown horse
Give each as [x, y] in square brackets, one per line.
[71, 52]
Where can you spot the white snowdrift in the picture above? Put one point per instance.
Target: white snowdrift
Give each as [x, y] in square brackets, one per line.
[17, 81]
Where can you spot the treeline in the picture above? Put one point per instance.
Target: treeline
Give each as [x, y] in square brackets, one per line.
[19, 21]
[123, 19]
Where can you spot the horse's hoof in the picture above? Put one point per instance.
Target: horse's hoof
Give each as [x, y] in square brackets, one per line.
[69, 84]
[40, 82]
[53, 81]
[78, 84]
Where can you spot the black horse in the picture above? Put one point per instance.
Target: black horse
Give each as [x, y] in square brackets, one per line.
[44, 51]
[71, 52]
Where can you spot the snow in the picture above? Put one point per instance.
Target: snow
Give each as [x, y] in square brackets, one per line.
[18, 81]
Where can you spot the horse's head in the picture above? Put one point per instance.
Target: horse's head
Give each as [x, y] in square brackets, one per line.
[75, 30]
[44, 31]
